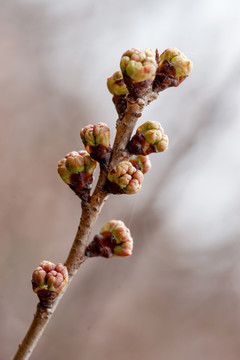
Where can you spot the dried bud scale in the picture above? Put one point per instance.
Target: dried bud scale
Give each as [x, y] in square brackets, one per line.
[149, 138]
[76, 170]
[124, 179]
[173, 68]
[114, 240]
[96, 139]
[48, 281]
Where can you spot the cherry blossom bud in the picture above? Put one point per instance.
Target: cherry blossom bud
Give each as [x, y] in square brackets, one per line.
[124, 179]
[96, 139]
[173, 68]
[114, 240]
[48, 281]
[141, 162]
[116, 84]
[139, 69]
[76, 170]
[149, 138]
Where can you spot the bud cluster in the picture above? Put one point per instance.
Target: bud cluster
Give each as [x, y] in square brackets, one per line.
[76, 170]
[124, 179]
[173, 68]
[48, 281]
[149, 138]
[114, 240]
[139, 69]
[145, 70]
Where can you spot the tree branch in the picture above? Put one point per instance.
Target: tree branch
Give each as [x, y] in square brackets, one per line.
[90, 212]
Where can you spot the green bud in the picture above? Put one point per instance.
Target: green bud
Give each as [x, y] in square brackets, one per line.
[139, 70]
[96, 139]
[116, 84]
[139, 65]
[173, 68]
[76, 170]
[124, 178]
[149, 138]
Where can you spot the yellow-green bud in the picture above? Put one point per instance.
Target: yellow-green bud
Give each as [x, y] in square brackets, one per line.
[139, 70]
[173, 68]
[116, 84]
[124, 178]
[149, 138]
[96, 139]
[76, 170]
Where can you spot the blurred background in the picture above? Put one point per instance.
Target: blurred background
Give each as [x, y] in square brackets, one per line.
[178, 296]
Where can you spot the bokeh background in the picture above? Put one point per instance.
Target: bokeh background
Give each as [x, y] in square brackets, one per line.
[178, 296]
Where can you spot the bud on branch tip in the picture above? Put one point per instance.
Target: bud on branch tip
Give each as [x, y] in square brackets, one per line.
[139, 69]
[173, 68]
[114, 240]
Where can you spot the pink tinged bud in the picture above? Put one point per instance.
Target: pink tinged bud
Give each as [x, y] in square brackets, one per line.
[96, 139]
[139, 65]
[124, 178]
[173, 68]
[139, 70]
[48, 281]
[47, 265]
[76, 169]
[141, 162]
[149, 138]
[38, 277]
[163, 144]
[114, 240]
[116, 85]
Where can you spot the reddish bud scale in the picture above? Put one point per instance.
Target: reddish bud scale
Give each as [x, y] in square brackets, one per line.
[137, 89]
[165, 77]
[173, 68]
[102, 245]
[100, 153]
[137, 144]
[81, 184]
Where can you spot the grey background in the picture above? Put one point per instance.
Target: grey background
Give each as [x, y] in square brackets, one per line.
[177, 297]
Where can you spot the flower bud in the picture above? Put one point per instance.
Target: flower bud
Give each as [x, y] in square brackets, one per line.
[48, 281]
[96, 139]
[139, 69]
[173, 68]
[124, 179]
[141, 162]
[76, 170]
[116, 84]
[149, 138]
[114, 240]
